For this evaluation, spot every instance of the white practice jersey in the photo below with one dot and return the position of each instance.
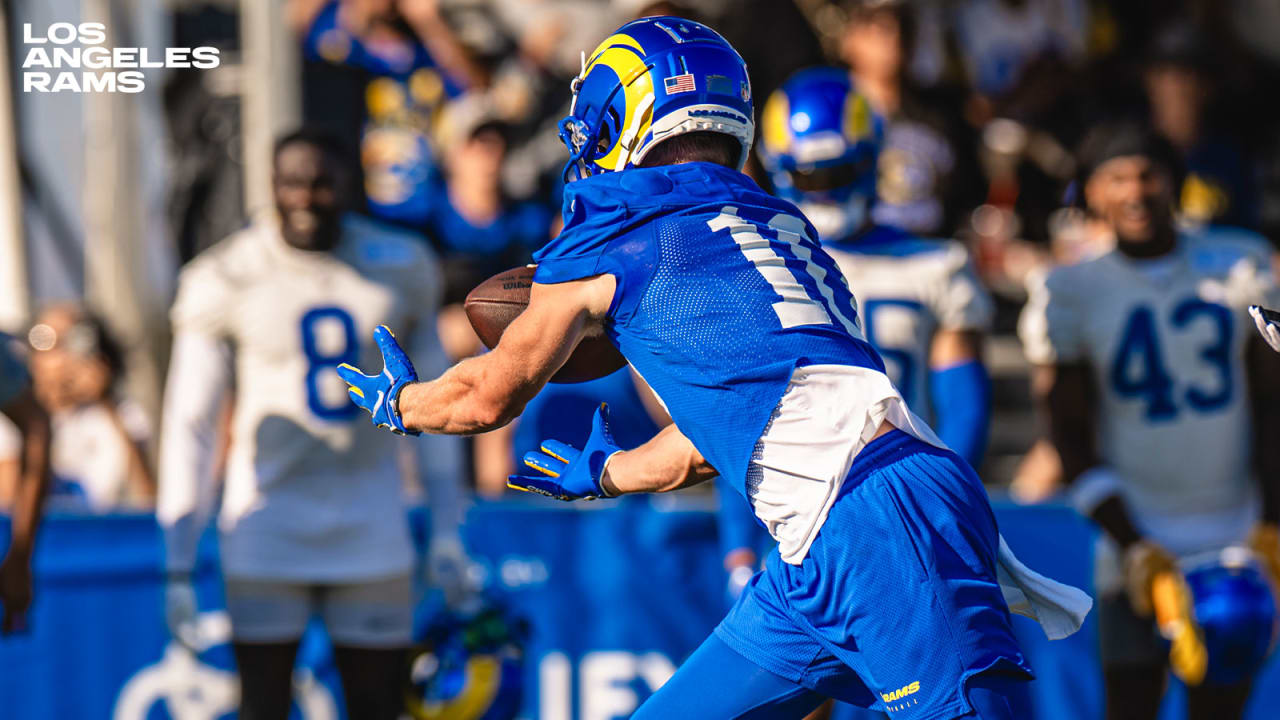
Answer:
(1166, 339)
(907, 290)
(312, 490)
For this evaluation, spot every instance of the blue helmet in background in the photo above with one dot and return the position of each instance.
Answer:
(1236, 613)
(467, 666)
(652, 80)
(821, 141)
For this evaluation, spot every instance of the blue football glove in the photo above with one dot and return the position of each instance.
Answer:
(574, 474)
(378, 393)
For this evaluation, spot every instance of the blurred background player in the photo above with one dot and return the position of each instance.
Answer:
(312, 517)
(19, 405)
(921, 304)
(99, 457)
(1161, 404)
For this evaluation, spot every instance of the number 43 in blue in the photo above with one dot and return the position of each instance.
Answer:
(1140, 347)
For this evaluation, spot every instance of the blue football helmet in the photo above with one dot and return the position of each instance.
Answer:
(467, 667)
(1235, 612)
(821, 142)
(653, 79)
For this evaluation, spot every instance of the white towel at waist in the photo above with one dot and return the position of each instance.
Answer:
(1059, 608)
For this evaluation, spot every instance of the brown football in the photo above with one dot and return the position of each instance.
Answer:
(496, 302)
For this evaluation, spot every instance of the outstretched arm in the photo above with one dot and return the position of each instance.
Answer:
(486, 392)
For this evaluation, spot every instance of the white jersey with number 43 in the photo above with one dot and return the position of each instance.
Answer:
(1166, 340)
(908, 289)
(313, 491)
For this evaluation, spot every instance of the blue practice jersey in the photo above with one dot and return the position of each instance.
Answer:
(722, 293)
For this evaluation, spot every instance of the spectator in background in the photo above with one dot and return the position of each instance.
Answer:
(929, 175)
(99, 440)
(1006, 46)
(1220, 185)
(479, 230)
(414, 63)
(28, 477)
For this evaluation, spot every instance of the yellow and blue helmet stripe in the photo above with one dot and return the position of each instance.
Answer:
(818, 120)
(651, 80)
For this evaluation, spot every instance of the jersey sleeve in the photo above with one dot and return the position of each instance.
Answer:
(198, 383)
(591, 221)
(1051, 326)
(960, 302)
(204, 289)
(1243, 260)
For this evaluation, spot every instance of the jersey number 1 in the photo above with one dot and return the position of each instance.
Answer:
(798, 306)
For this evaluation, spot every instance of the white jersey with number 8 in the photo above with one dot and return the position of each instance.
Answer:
(313, 492)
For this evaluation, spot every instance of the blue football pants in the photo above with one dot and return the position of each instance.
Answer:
(717, 682)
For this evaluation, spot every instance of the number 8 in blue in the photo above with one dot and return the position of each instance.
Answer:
(319, 362)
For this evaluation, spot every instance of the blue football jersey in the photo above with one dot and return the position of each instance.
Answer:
(723, 291)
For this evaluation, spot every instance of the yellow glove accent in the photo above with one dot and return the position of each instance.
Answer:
(1175, 616)
(1143, 561)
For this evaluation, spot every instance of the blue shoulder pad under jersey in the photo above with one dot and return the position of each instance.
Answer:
(13, 374)
(722, 292)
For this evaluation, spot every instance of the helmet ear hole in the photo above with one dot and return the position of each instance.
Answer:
(608, 131)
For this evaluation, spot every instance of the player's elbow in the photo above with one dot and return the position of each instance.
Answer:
(491, 411)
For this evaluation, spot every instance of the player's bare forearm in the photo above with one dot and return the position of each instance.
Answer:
(1066, 399)
(669, 461)
(477, 395)
(487, 392)
(1264, 393)
(33, 474)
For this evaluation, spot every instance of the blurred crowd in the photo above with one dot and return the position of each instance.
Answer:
(449, 108)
